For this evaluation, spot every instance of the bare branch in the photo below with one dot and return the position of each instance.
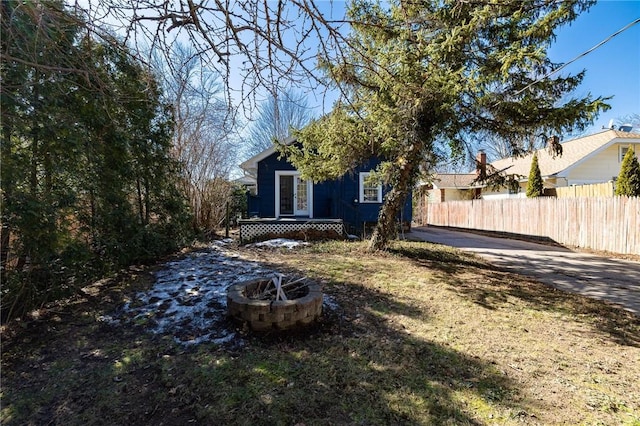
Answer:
(257, 46)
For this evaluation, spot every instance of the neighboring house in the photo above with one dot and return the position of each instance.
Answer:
(247, 182)
(453, 187)
(283, 194)
(586, 160)
(590, 159)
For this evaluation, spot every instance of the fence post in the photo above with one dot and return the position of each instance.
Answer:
(600, 223)
(226, 228)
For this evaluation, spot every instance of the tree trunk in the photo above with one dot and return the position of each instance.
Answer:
(140, 205)
(7, 198)
(386, 229)
(35, 135)
(147, 202)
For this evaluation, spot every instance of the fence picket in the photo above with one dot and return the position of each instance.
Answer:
(600, 223)
(605, 189)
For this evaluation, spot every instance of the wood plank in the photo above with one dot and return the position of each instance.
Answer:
(599, 223)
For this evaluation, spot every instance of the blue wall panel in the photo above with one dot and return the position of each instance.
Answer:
(267, 183)
(337, 199)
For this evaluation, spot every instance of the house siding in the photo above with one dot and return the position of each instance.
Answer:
(459, 194)
(441, 195)
(267, 183)
(602, 167)
(335, 199)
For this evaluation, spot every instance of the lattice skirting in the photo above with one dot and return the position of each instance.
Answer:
(250, 231)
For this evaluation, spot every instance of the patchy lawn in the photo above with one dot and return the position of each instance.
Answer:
(420, 335)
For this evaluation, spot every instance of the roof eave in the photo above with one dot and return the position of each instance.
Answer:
(564, 172)
(251, 165)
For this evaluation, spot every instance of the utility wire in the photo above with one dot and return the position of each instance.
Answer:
(626, 27)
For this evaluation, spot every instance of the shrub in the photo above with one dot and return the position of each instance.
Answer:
(628, 182)
(534, 184)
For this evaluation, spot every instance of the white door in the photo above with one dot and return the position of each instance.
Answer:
(293, 195)
(301, 197)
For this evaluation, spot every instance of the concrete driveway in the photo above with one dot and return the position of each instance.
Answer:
(617, 281)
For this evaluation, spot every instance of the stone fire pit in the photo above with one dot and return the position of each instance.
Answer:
(258, 304)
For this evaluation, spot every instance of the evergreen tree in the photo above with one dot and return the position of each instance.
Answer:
(88, 182)
(628, 182)
(39, 139)
(534, 184)
(419, 76)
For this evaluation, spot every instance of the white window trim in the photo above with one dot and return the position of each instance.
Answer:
(635, 148)
(363, 178)
(622, 151)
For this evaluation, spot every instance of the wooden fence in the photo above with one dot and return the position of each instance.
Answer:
(609, 224)
(605, 189)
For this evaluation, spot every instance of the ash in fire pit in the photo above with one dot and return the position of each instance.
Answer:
(274, 303)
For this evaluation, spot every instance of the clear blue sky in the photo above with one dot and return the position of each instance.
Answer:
(613, 68)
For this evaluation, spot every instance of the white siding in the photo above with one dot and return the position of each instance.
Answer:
(458, 194)
(602, 167)
(490, 194)
(450, 194)
(498, 196)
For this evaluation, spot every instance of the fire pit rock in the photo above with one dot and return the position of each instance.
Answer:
(302, 307)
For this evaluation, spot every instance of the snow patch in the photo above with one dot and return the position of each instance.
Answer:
(330, 302)
(280, 243)
(189, 297)
(223, 242)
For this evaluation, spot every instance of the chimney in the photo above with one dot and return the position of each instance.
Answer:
(481, 164)
(554, 147)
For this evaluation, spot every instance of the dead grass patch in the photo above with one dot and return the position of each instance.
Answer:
(422, 335)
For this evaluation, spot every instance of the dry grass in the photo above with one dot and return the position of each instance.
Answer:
(422, 335)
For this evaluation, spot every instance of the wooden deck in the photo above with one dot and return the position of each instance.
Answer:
(253, 229)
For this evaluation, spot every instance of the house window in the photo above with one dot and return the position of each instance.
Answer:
(623, 152)
(624, 149)
(370, 192)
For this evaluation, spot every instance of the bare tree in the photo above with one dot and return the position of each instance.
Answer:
(497, 148)
(630, 119)
(254, 45)
(203, 138)
(276, 117)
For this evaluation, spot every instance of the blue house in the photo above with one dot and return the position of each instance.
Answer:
(284, 201)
